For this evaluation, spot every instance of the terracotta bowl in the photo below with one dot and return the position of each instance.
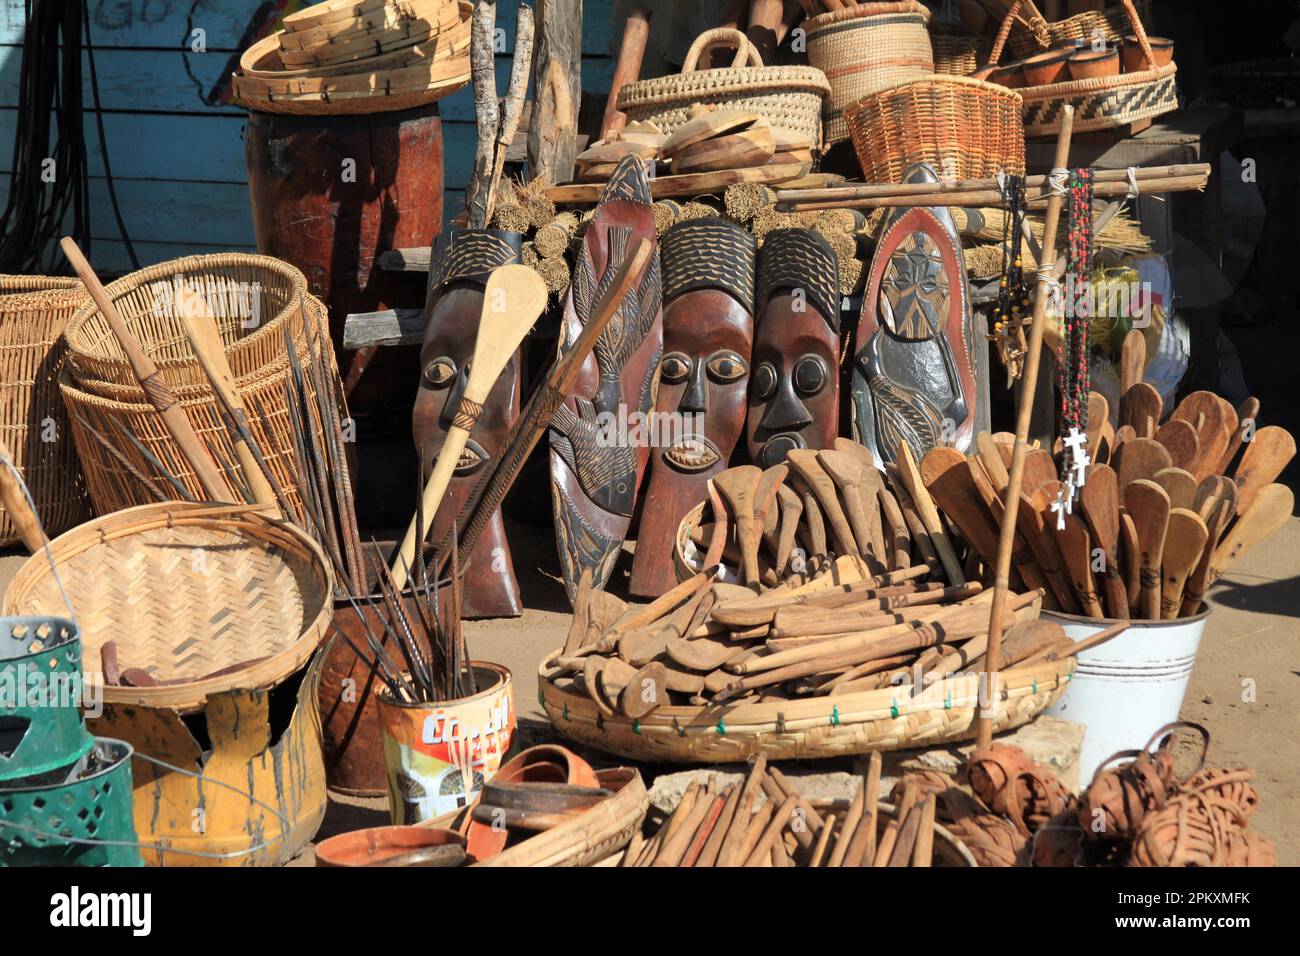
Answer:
(1090, 64)
(374, 846)
(1012, 76)
(1045, 68)
(1135, 61)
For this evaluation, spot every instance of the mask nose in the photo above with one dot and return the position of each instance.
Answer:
(693, 397)
(784, 412)
(454, 395)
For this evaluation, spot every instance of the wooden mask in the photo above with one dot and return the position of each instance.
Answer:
(708, 276)
(598, 452)
(914, 376)
(794, 384)
(457, 277)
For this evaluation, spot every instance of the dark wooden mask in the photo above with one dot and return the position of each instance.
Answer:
(794, 388)
(708, 275)
(456, 301)
(914, 375)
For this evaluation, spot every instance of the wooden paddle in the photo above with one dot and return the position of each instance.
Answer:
(1247, 412)
(1130, 555)
(1076, 551)
(1215, 423)
(813, 527)
(1269, 511)
(513, 299)
(1148, 506)
(1098, 419)
(910, 477)
(947, 477)
(1265, 457)
(706, 125)
(146, 373)
(1099, 500)
(1181, 440)
(1039, 468)
(791, 506)
(1178, 484)
(1221, 508)
(871, 483)
(1133, 360)
(846, 472)
(1183, 545)
(1142, 408)
(1139, 458)
(738, 487)
(808, 466)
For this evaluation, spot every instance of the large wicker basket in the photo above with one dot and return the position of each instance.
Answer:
(964, 128)
(252, 298)
(185, 591)
(887, 719)
(786, 96)
(865, 48)
(1102, 103)
(34, 311)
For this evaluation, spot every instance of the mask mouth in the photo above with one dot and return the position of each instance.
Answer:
(471, 458)
(692, 453)
(778, 446)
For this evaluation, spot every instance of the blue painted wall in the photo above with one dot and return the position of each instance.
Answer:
(177, 159)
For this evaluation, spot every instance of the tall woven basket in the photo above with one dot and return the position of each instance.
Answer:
(34, 310)
(865, 48)
(786, 96)
(964, 128)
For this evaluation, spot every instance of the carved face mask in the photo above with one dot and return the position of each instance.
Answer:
(452, 328)
(708, 275)
(794, 391)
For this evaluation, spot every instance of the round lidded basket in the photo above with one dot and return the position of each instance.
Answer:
(34, 311)
(211, 598)
(864, 48)
(787, 96)
(252, 298)
(965, 128)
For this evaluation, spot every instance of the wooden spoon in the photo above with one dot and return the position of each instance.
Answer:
(1099, 500)
(1142, 408)
(1222, 509)
(1133, 360)
(1098, 419)
(1130, 557)
(1183, 545)
(1181, 440)
(1266, 455)
(871, 484)
(765, 498)
(1039, 468)
(738, 487)
(1178, 484)
(1076, 551)
(1247, 412)
(1215, 423)
(1269, 511)
(846, 472)
(947, 477)
(806, 463)
(1139, 458)
(791, 506)
(1148, 507)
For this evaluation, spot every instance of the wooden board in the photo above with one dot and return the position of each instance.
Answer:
(691, 184)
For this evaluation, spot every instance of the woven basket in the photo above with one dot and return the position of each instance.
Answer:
(959, 55)
(888, 719)
(1102, 103)
(786, 96)
(1111, 24)
(964, 128)
(185, 590)
(252, 298)
(866, 48)
(33, 313)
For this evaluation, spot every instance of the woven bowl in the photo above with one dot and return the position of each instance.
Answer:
(184, 591)
(252, 298)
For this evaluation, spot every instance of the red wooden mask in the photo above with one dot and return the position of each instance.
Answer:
(456, 301)
(708, 275)
(794, 386)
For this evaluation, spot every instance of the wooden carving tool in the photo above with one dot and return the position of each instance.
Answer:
(737, 487)
(1267, 454)
(1247, 412)
(1270, 510)
(1148, 506)
(497, 479)
(146, 373)
(1099, 500)
(1183, 545)
(1178, 484)
(805, 462)
(1141, 408)
(1181, 440)
(1076, 551)
(1139, 458)
(512, 302)
(1133, 360)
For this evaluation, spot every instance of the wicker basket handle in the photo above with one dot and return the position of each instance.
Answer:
(1034, 22)
(1141, 32)
(722, 36)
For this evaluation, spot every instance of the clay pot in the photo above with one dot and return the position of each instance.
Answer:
(1045, 68)
(1091, 64)
(1135, 60)
(371, 847)
(1012, 76)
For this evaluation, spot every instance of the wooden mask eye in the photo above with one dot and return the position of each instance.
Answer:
(674, 367)
(726, 367)
(810, 375)
(764, 381)
(440, 372)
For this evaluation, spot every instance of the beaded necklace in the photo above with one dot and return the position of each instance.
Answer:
(1011, 312)
(1072, 368)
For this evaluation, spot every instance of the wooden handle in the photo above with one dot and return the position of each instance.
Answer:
(146, 373)
(14, 500)
(636, 33)
(764, 21)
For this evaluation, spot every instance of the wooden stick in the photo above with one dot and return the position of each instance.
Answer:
(486, 109)
(848, 827)
(823, 841)
(863, 848)
(776, 825)
(520, 66)
(146, 373)
(705, 831)
(675, 846)
(923, 851)
(627, 69)
(709, 854)
(1007, 532)
(730, 853)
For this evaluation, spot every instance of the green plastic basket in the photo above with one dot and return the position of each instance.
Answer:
(41, 726)
(60, 823)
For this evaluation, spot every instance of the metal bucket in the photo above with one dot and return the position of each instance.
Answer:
(421, 741)
(1131, 686)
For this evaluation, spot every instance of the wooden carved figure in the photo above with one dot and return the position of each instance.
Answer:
(599, 437)
(457, 277)
(914, 375)
(794, 384)
(708, 279)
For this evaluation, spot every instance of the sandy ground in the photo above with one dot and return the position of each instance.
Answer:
(1244, 688)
